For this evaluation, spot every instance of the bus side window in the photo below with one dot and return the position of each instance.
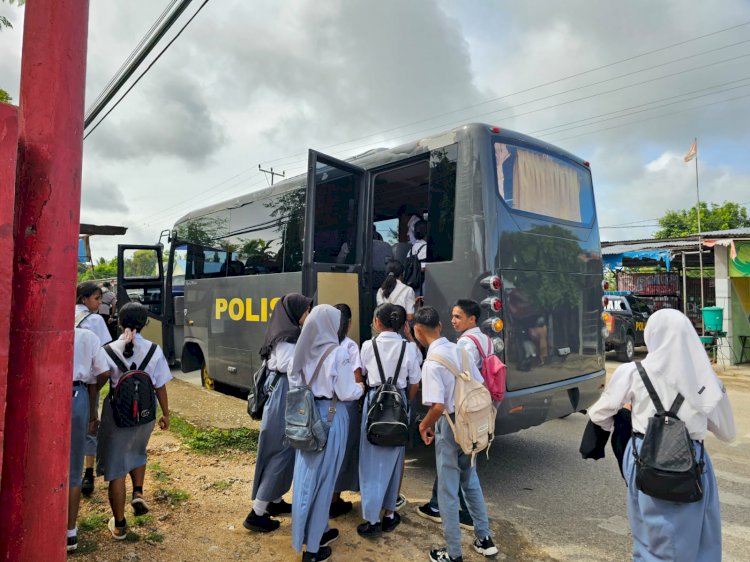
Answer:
(442, 203)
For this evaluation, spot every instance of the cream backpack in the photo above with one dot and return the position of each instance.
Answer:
(475, 414)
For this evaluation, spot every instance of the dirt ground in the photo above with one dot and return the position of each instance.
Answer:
(198, 502)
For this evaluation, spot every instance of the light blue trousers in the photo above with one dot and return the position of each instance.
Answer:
(454, 470)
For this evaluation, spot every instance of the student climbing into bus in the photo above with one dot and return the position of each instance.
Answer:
(315, 472)
(408, 217)
(454, 468)
(680, 378)
(122, 441)
(416, 259)
(348, 478)
(393, 291)
(274, 465)
(384, 358)
(88, 301)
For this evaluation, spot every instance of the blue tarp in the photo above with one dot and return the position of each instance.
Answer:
(83, 251)
(614, 261)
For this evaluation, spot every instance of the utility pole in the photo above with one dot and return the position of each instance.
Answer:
(272, 173)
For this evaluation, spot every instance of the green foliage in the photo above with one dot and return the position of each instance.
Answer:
(172, 496)
(718, 217)
(159, 474)
(5, 22)
(132, 536)
(93, 522)
(222, 485)
(143, 520)
(154, 536)
(214, 440)
(102, 270)
(141, 264)
(4, 96)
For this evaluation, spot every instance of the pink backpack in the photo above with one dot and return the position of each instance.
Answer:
(493, 370)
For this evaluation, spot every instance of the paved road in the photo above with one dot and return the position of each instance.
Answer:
(574, 509)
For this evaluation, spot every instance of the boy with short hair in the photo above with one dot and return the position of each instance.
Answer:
(453, 467)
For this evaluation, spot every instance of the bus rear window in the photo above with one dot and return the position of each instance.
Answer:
(535, 182)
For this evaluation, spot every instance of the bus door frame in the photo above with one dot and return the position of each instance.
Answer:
(313, 272)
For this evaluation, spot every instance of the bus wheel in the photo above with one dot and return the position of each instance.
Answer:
(206, 381)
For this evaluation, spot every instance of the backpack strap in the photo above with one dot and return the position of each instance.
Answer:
(398, 365)
(148, 357)
(115, 358)
(393, 296)
(326, 353)
(479, 347)
(81, 316)
(650, 388)
(675, 407)
(377, 359)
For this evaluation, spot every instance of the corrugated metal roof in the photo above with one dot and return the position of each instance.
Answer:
(665, 244)
(728, 233)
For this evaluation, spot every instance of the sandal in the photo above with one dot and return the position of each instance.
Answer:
(139, 505)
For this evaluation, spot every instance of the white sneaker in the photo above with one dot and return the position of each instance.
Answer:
(400, 502)
(485, 546)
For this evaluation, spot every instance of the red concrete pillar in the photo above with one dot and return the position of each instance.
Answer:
(48, 194)
(8, 152)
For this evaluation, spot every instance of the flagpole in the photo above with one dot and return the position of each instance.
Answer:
(700, 243)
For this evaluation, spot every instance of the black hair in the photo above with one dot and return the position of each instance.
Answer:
(85, 290)
(392, 316)
(408, 210)
(346, 316)
(107, 284)
(421, 228)
(133, 315)
(470, 308)
(394, 270)
(427, 316)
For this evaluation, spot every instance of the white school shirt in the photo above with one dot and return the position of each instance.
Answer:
(281, 358)
(402, 295)
(470, 346)
(157, 367)
(334, 376)
(89, 359)
(626, 386)
(438, 383)
(389, 347)
(94, 323)
(419, 249)
(352, 349)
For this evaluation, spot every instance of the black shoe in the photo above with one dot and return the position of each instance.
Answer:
(485, 546)
(329, 537)
(465, 520)
(87, 484)
(427, 512)
(260, 523)
(441, 555)
(323, 554)
(339, 507)
(279, 508)
(72, 543)
(139, 505)
(369, 530)
(390, 523)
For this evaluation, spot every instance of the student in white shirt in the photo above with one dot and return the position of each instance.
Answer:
(380, 468)
(454, 468)
(348, 478)
(676, 363)
(89, 365)
(393, 291)
(315, 472)
(274, 461)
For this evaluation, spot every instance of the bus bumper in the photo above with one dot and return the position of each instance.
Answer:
(533, 406)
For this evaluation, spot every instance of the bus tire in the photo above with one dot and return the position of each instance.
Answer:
(206, 381)
(626, 352)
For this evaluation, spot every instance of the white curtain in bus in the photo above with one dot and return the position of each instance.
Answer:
(543, 186)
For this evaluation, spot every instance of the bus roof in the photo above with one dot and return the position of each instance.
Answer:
(377, 157)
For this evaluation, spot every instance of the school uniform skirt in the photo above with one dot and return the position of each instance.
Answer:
(274, 462)
(314, 479)
(348, 479)
(665, 530)
(78, 427)
(120, 449)
(379, 471)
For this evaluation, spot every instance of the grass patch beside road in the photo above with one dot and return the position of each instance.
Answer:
(214, 440)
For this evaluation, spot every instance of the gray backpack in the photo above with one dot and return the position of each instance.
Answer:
(304, 429)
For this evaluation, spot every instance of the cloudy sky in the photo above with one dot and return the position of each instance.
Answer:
(626, 85)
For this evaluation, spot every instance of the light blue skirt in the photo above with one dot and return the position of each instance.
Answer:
(120, 449)
(274, 462)
(78, 427)
(314, 479)
(348, 479)
(380, 471)
(665, 530)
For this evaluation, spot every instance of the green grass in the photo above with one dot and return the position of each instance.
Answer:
(214, 440)
(93, 522)
(132, 536)
(172, 496)
(154, 536)
(143, 520)
(222, 485)
(158, 473)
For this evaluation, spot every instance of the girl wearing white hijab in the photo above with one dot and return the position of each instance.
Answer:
(315, 472)
(676, 363)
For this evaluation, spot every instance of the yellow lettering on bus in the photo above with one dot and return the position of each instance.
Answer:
(221, 306)
(250, 317)
(236, 309)
(273, 303)
(264, 309)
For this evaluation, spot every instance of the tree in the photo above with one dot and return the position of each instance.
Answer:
(142, 264)
(719, 217)
(102, 270)
(5, 22)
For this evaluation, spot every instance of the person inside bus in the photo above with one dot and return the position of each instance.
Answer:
(393, 291)
(348, 478)
(381, 255)
(315, 472)
(420, 249)
(274, 464)
(676, 364)
(381, 468)
(408, 217)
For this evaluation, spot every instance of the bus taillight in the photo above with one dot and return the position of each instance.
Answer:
(493, 303)
(605, 285)
(494, 325)
(605, 302)
(492, 283)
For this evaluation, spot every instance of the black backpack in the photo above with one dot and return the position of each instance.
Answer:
(387, 420)
(133, 399)
(666, 467)
(413, 274)
(259, 394)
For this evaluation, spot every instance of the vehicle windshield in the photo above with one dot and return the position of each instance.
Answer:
(533, 181)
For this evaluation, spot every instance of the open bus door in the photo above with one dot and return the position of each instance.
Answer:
(141, 279)
(336, 238)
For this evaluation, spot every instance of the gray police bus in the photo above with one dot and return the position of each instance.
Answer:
(512, 225)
